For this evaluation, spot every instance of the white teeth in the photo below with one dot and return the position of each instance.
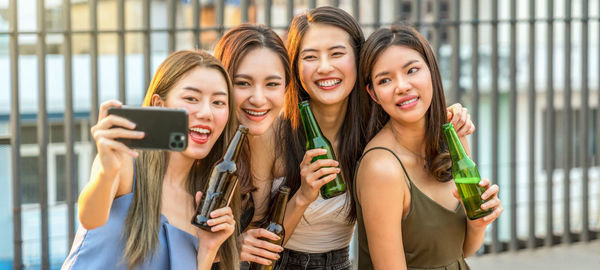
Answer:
(200, 130)
(408, 101)
(327, 83)
(256, 113)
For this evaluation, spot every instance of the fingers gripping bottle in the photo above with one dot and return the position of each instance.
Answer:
(222, 181)
(316, 139)
(466, 175)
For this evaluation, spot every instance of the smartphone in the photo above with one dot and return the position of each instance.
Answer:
(164, 128)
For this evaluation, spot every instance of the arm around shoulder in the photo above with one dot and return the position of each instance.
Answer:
(381, 190)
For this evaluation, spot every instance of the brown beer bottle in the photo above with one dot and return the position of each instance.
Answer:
(222, 181)
(276, 224)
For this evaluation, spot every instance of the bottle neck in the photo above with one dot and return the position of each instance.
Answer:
(455, 147)
(311, 127)
(235, 146)
(280, 204)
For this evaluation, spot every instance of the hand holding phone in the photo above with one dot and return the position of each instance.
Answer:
(164, 128)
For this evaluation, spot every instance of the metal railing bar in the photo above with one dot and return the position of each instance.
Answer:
(514, 244)
(531, 116)
(171, 10)
(455, 58)
(495, 108)
(42, 134)
(550, 130)
(146, 6)
(94, 108)
(289, 7)
(226, 27)
(312, 4)
(568, 131)
(356, 10)
(15, 131)
(196, 17)
(419, 18)
(436, 25)
(585, 230)
(121, 49)
(268, 4)
(71, 184)
(475, 79)
(5, 140)
(220, 18)
(377, 13)
(244, 10)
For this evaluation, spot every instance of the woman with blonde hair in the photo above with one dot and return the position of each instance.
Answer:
(136, 209)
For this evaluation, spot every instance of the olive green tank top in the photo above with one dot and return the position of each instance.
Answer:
(432, 235)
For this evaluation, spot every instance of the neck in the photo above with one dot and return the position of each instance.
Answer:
(178, 168)
(330, 117)
(410, 136)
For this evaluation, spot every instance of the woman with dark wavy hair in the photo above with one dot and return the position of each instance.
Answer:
(409, 212)
(258, 64)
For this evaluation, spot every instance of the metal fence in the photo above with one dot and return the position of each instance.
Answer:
(445, 24)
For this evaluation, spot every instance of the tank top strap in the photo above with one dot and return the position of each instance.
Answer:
(389, 150)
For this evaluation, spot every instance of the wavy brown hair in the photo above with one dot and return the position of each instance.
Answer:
(436, 148)
(353, 137)
(143, 219)
(231, 50)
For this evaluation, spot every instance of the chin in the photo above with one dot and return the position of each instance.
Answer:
(197, 152)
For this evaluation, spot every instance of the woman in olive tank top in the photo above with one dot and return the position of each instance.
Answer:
(409, 214)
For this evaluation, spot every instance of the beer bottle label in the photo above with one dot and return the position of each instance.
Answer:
(467, 180)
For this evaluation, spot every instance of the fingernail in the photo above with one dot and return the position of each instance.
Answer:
(209, 222)
(278, 256)
(483, 206)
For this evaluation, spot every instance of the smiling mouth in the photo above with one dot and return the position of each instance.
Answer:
(199, 135)
(256, 113)
(328, 83)
(408, 101)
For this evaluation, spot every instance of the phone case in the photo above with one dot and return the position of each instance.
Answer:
(165, 128)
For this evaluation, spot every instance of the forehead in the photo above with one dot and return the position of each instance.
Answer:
(208, 80)
(260, 60)
(396, 55)
(323, 36)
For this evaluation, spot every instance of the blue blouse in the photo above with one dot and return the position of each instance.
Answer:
(102, 248)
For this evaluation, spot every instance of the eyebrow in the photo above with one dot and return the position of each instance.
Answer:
(248, 77)
(383, 73)
(329, 49)
(194, 89)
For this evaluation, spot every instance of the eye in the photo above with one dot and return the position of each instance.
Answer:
(242, 83)
(273, 84)
(338, 53)
(383, 81)
(219, 103)
(309, 57)
(191, 99)
(413, 70)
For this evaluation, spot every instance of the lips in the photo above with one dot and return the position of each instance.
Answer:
(328, 83)
(408, 102)
(256, 115)
(199, 134)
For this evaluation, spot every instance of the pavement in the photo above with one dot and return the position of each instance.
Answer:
(577, 256)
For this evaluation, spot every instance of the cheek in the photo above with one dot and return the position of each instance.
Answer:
(277, 98)
(239, 97)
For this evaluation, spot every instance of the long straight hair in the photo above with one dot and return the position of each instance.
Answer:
(143, 218)
(353, 137)
(231, 50)
(436, 148)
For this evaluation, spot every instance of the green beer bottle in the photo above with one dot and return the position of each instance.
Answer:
(466, 176)
(276, 224)
(222, 181)
(316, 139)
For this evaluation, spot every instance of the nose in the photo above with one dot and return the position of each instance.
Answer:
(258, 98)
(402, 85)
(203, 111)
(324, 66)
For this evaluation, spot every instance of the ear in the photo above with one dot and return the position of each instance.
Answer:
(157, 101)
(372, 93)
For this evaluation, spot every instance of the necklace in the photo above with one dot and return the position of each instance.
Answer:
(418, 157)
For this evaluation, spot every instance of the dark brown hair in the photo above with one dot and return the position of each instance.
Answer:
(436, 148)
(353, 138)
(143, 219)
(231, 50)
